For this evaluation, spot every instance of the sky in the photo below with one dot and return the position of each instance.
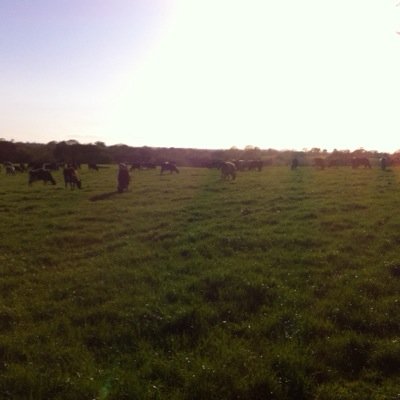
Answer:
(282, 74)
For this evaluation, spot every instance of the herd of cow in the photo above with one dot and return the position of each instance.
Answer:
(355, 162)
(43, 173)
(228, 169)
(70, 172)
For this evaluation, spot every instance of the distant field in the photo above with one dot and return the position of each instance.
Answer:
(280, 285)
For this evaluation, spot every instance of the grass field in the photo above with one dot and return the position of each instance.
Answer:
(279, 285)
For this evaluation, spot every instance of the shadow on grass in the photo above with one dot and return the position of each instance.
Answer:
(103, 196)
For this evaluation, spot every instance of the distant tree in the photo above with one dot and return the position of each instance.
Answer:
(8, 151)
(71, 142)
(62, 152)
(232, 154)
(252, 153)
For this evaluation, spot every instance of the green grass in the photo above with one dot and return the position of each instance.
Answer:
(279, 285)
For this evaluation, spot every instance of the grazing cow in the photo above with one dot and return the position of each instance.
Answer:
(383, 163)
(360, 161)
(294, 164)
(93, 166)
(168, 166)
(319, 163)
(123, 178)
(10, 169)
(40, 174)
(71, 178)
(255, 164)
(228, 169)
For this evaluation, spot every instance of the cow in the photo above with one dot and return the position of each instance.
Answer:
(123, 178)
(228, 169)
(10, 169)
(360, 161)
(319, 163)
(255, 164)
(168, 166)
(71, 178)
(40, 174)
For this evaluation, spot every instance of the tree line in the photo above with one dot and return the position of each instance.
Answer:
(71, 151)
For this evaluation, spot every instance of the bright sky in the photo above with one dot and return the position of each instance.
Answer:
(283, 74)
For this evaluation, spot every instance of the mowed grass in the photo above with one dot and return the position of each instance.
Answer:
(279, 285)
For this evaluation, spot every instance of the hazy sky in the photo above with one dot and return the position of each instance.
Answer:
(202, 73)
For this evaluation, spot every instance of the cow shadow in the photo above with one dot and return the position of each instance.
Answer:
(104, 196)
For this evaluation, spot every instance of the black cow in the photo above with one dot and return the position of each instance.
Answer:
(71, 178)
(40, 174)
(168, 166)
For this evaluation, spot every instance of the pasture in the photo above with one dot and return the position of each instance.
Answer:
(279, 285)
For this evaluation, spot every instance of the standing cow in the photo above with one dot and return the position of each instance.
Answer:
(228, 170)
(123, 178)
